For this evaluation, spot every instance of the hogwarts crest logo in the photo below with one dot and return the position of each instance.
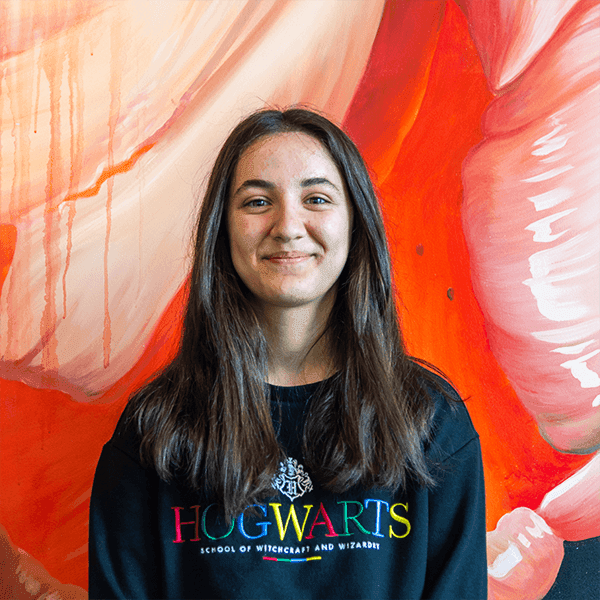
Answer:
(291, 479)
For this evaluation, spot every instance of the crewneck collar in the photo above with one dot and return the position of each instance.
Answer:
(296, 393)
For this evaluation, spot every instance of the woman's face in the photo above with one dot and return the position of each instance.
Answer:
(289, 220)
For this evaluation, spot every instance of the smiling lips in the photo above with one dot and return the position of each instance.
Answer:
(287, 258)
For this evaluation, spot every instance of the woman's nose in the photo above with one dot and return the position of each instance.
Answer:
(288, 223)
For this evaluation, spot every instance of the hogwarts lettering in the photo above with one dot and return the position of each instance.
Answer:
(371, 517)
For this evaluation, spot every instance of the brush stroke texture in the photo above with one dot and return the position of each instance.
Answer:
(145, 96)
(531, 220)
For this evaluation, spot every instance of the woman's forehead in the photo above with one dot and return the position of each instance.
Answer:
(281, 154)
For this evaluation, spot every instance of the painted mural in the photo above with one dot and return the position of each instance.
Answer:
(479, 120)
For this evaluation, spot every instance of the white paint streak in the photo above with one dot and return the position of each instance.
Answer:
(551, 198)
(505, 562)
(571, 334)
(557, 274)
(542, 231)
(596, 401)
(567, 485)
(548, 174)
(577, 349)
(550, 300)
(579, 369)
(523, 539)
(551, 142)
(540, 527)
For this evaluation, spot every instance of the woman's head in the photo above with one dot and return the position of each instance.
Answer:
(311, 158)
(209, 412)
(289, 222)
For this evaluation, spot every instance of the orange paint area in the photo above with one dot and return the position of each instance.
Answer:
(8, 240)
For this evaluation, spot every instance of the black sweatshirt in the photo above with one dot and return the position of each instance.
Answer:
(151, 539)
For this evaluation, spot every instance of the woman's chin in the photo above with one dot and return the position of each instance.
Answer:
(296, 296)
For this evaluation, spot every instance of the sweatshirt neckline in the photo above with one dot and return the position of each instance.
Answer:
(296, 393)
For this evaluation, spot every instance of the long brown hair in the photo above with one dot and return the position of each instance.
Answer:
(208, 415)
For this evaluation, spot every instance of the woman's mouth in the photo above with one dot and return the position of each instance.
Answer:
(287, 258)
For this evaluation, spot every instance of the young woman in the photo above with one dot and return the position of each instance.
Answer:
(291, 449)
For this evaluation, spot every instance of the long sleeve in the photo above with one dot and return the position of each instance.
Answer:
(123, 561)
(456, 562)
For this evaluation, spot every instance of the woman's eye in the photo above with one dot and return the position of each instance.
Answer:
(256, 203)
(317, 200)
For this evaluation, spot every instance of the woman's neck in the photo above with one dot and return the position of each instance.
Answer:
(299, 351)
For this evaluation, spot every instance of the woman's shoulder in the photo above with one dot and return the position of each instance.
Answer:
(451, 429)
(125, 438)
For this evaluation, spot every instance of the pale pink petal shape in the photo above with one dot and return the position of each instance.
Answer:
(509, 34)
(93, 82)
(572, 509)
(525, 550)
(524, 556)
(532, 222)
(22, 577)
(89, 280)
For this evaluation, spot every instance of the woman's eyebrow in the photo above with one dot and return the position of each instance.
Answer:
(318, 181)
(255, 183)
(269, 185)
